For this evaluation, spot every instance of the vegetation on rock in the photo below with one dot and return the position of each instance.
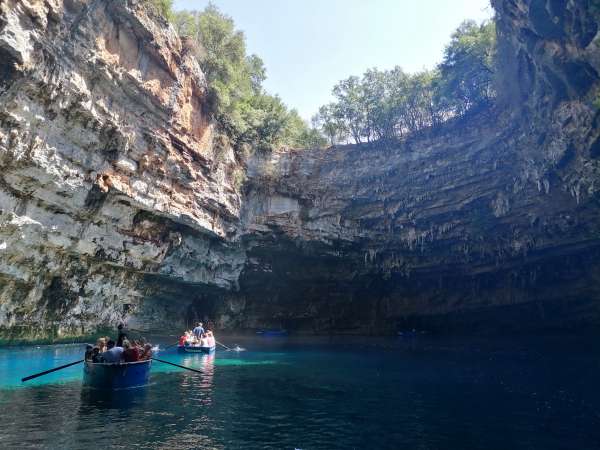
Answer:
(386, 105)
(244, 111)
(163, 7)
(381, 106)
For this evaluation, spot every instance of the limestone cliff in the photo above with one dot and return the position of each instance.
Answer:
(116, 201)
(109, 183)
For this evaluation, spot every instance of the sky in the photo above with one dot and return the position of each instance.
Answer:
(309, 45)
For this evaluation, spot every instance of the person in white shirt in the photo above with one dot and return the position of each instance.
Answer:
(210, 339)
(204, 341)
(113, 354)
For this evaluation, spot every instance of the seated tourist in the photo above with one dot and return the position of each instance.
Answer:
(139, 346)
(88, 352)
(130, 353)
(182, 340)
(101, 344)
(96, 358)
(113, 353)
(147, 352)
(122, 335)
(211, 339)
(203, 341)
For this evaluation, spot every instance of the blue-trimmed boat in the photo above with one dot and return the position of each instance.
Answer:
(116, 376)
(196, 349)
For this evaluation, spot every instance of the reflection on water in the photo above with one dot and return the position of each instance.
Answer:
(92, 399)
(376, 394)
(199, 385)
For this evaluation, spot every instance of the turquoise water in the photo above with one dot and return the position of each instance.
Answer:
(285, 393)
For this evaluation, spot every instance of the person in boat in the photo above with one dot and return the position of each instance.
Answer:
(147, 352)
(101, 344)
(198, 331)
(122, 335)
(210, 338)
(182, 340)
(96, 357)
(130, 353)
(113, 353)
(88, 352)
(203, 341)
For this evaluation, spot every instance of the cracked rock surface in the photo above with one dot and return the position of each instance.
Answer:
(116, 200)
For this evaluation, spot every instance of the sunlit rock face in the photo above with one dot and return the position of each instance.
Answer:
(109, 179)
(115, 202)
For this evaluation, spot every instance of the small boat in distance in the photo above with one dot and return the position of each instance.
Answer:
(197, 341)
(116, 375)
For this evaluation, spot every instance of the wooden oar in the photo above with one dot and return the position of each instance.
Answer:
(222, 345)
(30, 377)
(176, 365)
(172, 345)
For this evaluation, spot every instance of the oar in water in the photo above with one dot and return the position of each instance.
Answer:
(172, 345)
(30, 377)
(222, 345)
(176, 365)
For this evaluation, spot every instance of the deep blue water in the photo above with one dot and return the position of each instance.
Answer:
(345, 393)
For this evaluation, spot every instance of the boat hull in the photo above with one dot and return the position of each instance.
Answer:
(195, 349)
(116, 376)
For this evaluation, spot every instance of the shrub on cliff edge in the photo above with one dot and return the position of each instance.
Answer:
(163, 7)
(237, 100)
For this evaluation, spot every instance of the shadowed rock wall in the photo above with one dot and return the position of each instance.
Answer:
(116, 203)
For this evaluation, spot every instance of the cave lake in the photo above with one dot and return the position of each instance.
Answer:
(318, 393)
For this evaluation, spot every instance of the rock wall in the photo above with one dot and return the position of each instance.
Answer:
(488, 223)
(109, 182)
(117, 201)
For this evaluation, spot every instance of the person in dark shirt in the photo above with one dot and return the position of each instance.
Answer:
(147, 352)
(199, 330)
(88, 352)
(121, 336)
(96, 358)
(130, 353)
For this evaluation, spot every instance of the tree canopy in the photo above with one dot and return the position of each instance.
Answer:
(241, 106)
(381, 106)
(386, 105)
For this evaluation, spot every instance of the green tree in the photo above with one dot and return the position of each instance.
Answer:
(467, 71)
(328, 122)
(386, 105)
(350, 107)
(241, 107)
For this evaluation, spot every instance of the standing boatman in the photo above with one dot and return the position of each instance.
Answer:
(122, 334)
(199, 330)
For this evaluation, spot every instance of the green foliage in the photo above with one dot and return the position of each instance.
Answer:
(163, 7)
(331, 123)
(245, 112)
(468, 67)
(385, 105)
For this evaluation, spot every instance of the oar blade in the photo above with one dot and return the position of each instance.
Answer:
(176, 365)
(45, 372)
